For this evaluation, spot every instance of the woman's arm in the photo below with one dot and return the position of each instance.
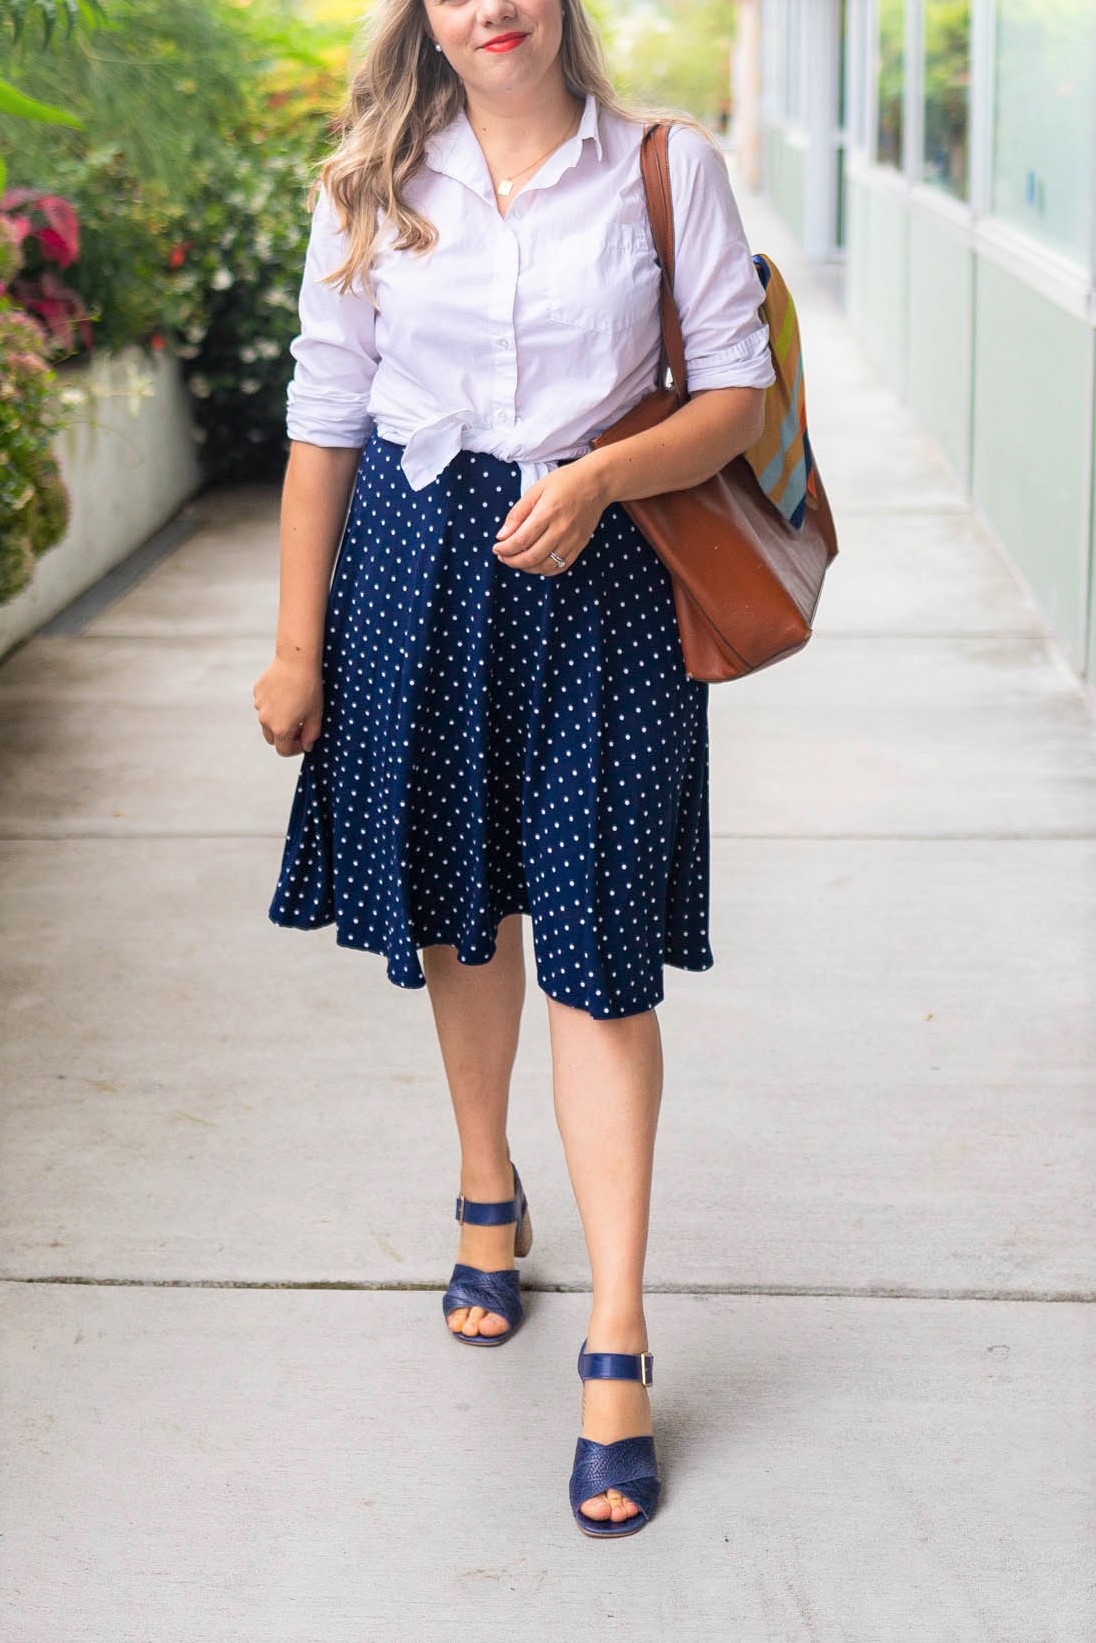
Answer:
(315, 500)
(696, 442)
(328, 423)
(560, 512)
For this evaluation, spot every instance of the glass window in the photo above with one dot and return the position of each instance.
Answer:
(794, 69)
(1043, 120)
(892, 76)
(947, 94)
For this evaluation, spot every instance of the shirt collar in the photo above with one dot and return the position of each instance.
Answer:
(455, 152)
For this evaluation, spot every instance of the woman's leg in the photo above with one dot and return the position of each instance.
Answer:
(607, 1079)
(477, 1013)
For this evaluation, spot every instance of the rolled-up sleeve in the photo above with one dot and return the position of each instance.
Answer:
(335, 352)
(716, 283)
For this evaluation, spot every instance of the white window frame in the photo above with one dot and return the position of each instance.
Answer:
(856, 133)
(1056, 276)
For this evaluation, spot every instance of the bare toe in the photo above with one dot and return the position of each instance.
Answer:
(612, 1504)
(473, 1320)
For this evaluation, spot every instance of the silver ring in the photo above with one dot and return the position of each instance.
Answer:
(562, 563)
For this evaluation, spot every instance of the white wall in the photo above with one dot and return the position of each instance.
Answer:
(129, 460)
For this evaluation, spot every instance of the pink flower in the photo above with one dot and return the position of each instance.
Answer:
(59, 238)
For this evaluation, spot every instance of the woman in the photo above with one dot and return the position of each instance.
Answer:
(489, 693)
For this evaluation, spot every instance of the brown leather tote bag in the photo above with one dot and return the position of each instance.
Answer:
(746, 581)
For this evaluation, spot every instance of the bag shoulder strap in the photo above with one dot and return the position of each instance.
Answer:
(654, 157)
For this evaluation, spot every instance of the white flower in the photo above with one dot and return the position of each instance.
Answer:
(73, 397)
(222, 279)
(200, 386)
(267, 348)
(249, 355)
(250, 385)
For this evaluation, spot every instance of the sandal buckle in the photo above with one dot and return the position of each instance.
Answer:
(646, 1368)
(460, 1208)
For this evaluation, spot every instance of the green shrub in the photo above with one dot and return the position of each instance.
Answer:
(190, 179)
(233, 304)
(49, 507)
(33, 502)
(162, 77)
(127, 228)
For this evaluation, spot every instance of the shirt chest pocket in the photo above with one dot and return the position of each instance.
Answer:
(601, 279)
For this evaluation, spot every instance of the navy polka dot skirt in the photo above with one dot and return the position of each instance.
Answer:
(495, 741)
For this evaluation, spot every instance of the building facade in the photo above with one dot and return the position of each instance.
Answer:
(944, 151)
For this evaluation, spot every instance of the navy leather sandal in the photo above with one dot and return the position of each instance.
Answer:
(495, 1291)
(629, 1464)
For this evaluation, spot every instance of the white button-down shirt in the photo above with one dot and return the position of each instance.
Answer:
(525, 335)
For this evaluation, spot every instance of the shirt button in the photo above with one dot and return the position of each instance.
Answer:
(503, 343)
(504, 417)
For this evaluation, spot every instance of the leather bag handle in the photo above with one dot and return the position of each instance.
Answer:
(654, 155)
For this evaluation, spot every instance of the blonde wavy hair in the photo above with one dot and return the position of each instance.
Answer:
(404, 91)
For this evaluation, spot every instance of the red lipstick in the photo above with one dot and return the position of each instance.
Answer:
(504, 42)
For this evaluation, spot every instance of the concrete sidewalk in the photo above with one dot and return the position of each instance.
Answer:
(230, 1413)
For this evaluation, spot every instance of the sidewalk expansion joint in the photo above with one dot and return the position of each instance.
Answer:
(882, 1292)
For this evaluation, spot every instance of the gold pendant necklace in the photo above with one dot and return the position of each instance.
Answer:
(505, 184)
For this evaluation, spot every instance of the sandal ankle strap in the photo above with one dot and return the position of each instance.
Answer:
(616, 1366)
(498, 1214)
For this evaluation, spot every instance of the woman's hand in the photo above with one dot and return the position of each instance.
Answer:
(561, 511)
(289, 700)
(558, 513)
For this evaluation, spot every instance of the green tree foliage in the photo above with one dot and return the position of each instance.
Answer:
(15, 15)
(675, 54)
(160, 77)
(21, 17)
